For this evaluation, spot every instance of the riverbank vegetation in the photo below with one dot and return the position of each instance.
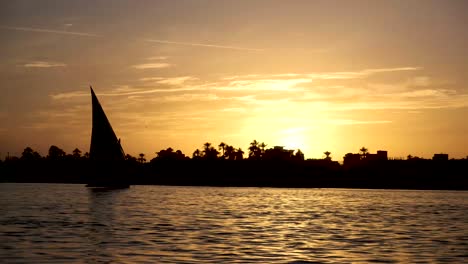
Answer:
(258, 166)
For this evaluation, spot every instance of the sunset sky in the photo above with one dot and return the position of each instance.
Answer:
(315, 75)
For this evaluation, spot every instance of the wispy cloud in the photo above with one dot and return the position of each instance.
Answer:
(157, 58)
(176, 80)
(145, 66)
(427, 93)
(43, 64)
(151, 79)
(53, 31)
(265, 85)
(347, 122)
(391, 69)
(69, 95)
(169, 80)
(190, 97)
(343, 75)
(127, 91)
(202, 45)
(267, 92)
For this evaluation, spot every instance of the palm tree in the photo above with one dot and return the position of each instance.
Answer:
(196, 154)
(262, 147)
(206, 147)
(254, 150)
(222, 147)
(239, 154)
(209, 152)
(364, 151)
(230, 152)
(141, 159)
(327, 154)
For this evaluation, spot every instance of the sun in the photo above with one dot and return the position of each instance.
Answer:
(294, 141)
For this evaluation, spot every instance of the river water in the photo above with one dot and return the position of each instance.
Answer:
(65, 223)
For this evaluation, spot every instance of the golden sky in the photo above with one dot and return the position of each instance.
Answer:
(315, 75)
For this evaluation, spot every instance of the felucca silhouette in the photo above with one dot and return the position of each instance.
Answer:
(106, 153)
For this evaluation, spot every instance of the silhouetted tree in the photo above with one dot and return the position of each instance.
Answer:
(254, 150)
(29, 154)
(206, 146)
(129, 158)
(56, 153)
(169, 154)
(141, 159)
(230, 152)
(165, 154)
(364, 151)
(239, 154)
(222, 147)
(209, 152)
(327, 155)
(262, 147)
(179, 155)
(196, 154)
(76, 153)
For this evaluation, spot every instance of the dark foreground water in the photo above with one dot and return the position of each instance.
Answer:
(44, 223)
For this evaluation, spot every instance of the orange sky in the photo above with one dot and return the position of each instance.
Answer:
(314, 75)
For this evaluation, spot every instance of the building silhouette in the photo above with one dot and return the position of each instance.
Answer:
(357, 158)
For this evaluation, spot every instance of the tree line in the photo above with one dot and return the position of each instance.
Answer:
(259, 165)
(256, 151)
(224, 151)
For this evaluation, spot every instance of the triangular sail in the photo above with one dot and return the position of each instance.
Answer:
(104, 143)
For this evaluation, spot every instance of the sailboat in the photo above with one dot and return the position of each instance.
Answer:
(106, 154)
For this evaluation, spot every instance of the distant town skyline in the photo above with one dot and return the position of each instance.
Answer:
(311, 75)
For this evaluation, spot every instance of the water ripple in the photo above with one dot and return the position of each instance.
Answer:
(54, 223)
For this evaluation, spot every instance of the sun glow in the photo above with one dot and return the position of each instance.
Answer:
(294, 139)
(293, 143)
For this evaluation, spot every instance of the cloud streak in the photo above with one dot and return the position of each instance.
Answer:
(202, 45)
(349, 122)
(43, 64)
(43, 30)
(344, 75)
(176, 80)
(265, 92)
(146, 66)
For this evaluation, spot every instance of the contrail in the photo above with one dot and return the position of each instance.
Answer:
(202, 45)
(42, 30)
